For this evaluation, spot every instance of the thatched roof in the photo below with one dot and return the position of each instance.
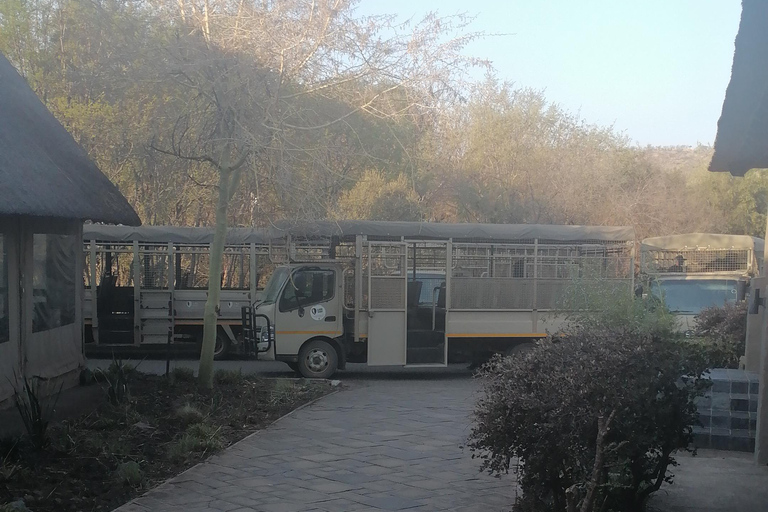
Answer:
(742, 132)
(43, 171)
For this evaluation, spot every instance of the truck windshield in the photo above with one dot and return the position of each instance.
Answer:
(272, 290)
(691, 296)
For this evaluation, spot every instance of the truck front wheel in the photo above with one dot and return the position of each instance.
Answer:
(318, 360)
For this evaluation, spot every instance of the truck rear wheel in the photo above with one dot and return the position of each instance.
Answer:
(318, 360)
(222, 345)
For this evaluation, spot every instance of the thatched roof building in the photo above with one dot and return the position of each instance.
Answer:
(742, 132)
(43, 171)
(48, 187)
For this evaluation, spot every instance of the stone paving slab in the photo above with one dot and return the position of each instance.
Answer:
(382, 445)
(714, 481)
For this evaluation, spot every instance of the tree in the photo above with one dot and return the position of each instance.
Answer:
(375, 198)
(260, 77)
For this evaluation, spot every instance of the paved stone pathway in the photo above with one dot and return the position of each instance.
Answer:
(714, 481)
(376, 445)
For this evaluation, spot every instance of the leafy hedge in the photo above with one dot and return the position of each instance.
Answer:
(590, 420)
(723, 333)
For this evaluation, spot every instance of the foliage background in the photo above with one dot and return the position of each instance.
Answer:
(487, 152)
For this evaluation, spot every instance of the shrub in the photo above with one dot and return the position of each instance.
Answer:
(723, 330)
(35, 415)
(117, 378)
(181, 374)
(129, 473)
(199, 438)
(599, 305)
(189, 414)
(592, 418)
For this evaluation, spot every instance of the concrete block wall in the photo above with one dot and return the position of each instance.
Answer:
(728, 412)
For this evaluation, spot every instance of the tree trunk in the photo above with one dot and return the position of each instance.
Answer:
(603, 427)
(211, 314)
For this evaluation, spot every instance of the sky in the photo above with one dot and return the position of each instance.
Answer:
(656, 70)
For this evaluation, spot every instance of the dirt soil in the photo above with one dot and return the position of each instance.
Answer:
(103, 459)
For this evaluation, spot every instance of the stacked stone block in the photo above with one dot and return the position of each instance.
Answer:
(728, 412)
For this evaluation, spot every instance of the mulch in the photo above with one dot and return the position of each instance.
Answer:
(78, 469)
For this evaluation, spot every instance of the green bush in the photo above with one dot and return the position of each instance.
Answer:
(596, 304)
(723, 333)
(592, 418)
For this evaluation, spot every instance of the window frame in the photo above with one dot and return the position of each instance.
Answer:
(289, 282)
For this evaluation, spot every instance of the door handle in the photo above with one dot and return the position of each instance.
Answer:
(330, 319)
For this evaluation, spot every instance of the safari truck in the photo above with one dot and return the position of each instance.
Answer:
(424, 294)
(146, 287)
(694, 271)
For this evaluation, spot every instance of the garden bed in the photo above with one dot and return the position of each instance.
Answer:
(102, 459)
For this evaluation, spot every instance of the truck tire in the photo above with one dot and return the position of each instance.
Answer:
(318, 360)
(223, 345)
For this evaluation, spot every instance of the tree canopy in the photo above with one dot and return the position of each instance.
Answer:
(336, 115)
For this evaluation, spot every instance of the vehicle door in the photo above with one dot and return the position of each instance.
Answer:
(309, 306)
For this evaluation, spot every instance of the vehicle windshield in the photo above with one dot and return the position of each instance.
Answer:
(272, 290)
(691, 296)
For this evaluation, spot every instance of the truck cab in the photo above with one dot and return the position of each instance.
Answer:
(305, 307)
(694, 271)
(687, 296)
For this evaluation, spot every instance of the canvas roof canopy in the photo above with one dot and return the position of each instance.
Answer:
(43, 171)
(702, 240)
(325, 229)
(443, 231)
(742, 131)
(179, 235)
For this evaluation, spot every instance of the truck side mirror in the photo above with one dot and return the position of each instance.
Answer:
(755, 302)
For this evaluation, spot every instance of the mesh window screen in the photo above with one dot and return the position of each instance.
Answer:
(53, 280)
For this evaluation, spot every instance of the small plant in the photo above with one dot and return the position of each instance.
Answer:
(182, 374)
(129, 473)
(189, 414)
(35, 416)
(284, 392)
(199, 438)
(228, 377)
(117, 377)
